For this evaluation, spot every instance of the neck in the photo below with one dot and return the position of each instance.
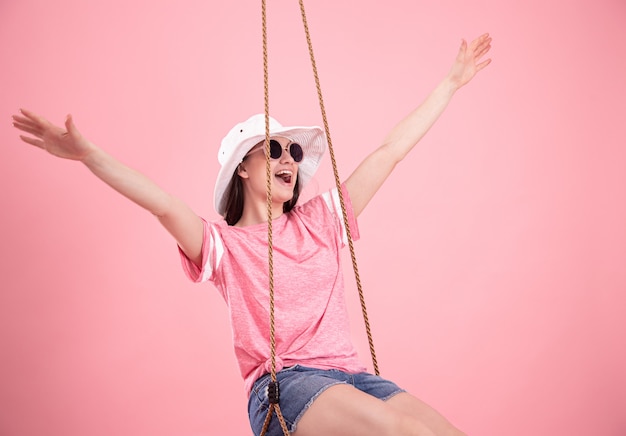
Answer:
(257, 213)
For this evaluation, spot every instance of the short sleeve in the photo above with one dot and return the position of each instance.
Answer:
(331, 198)
(212, 251)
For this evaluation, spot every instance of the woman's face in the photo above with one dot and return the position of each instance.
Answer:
(284, 170)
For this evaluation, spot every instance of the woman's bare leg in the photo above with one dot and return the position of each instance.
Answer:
(412, 406)
(342, 410)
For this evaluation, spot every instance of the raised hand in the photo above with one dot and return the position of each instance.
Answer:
(468, 61)
(66, 143)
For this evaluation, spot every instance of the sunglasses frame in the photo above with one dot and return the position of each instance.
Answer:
(275, 146)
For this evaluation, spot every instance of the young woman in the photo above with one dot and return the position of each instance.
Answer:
(324, 388)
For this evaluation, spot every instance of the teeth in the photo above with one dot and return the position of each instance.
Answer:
(285, 175)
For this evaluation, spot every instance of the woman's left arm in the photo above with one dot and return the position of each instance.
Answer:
(374, 170)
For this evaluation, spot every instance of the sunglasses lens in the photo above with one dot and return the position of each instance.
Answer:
(276, 150)
(296, 152)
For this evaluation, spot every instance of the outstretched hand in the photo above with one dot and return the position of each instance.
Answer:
(66, 143)
(468, 61)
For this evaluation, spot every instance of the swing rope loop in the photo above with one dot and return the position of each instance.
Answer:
(273, 388)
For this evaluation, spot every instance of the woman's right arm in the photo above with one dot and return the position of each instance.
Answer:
(182, 223)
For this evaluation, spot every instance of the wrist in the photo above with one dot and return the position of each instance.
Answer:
(91, 154)
(449, 85)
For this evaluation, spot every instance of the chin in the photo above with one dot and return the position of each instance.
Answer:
(282, 199)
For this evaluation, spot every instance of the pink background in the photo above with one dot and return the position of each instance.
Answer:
(493, 260)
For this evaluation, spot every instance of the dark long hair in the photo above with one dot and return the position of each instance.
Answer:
(234, 199)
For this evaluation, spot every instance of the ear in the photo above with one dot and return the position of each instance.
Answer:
(242, 172)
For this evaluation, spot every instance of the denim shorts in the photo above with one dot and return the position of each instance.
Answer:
(300, 386)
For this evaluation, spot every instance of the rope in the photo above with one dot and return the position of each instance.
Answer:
(339, 190)
(274, 406)
(273, 390)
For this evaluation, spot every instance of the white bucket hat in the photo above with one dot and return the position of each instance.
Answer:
(247, 134)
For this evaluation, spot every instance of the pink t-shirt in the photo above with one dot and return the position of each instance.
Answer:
(311, 319)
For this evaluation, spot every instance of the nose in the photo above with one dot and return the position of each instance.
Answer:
(286, 154)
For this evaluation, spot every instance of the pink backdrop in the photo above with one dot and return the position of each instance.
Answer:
(493, 260)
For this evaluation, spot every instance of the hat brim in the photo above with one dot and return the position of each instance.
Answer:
(311, 139)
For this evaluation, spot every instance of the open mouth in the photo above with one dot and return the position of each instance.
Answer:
(285, 176)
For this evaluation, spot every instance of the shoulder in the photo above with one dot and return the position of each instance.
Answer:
(323, 203)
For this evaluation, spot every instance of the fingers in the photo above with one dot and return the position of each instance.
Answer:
(28, 129)
(481, 45)
(27, 126)
(32, 141)
(25, 121)
(476, 50)
(481, 53)
(482, 65)
(30, 123)
(480, 50)
(32, 119)
(481, 39)
(32, 116)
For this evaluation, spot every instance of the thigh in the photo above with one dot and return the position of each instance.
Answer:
(342, 410)
(422, 412)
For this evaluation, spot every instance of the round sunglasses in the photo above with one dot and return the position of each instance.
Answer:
(276, 150)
